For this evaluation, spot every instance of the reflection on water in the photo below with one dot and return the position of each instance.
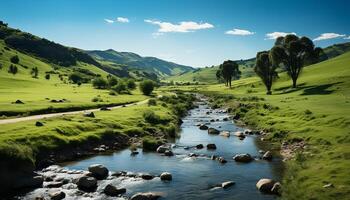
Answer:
(193, 178)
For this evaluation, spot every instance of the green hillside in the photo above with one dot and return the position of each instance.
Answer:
(316, 113)
(207, 75)
(136, 62)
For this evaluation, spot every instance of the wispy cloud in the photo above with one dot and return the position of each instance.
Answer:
(347, 38)
(122, 20)
(241, 32)
(327, 36)
(109, 21)
(182, 27)
(275, 35)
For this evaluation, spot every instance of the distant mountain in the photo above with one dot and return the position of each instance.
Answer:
(134, 61)
(337, 49)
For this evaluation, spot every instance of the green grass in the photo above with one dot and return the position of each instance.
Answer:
(37, 93)
(316, 112)
(206, 75)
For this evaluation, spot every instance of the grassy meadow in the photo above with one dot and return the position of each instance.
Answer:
(316, 112)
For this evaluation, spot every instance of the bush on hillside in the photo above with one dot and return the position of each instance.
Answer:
(112, 81)
(131, 84)
(47, 77)
(75, 77)
(14, 59)
(99, 83)
(13, 69)
(147, 87)
(152, 102)
(151, 117)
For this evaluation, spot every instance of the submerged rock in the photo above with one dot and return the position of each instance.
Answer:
(227, 184)
(211, 146)
(168, 153)
(222, 160)
(199, 146)
(163, 148)
(267, 155)
(57, 195)
(213, 131)
(203, 127)
(268, 186)
(111, 190)
(166, 176)
(146, 196)
(243, 158)
(147, 176)
(98, 171)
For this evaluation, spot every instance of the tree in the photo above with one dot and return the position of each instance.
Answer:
(112, 81)
(265, 70)
(228, 70)
(14, 59)
(147, 87)
(13, 69)
(99, 83)
(120, 87)
(74, 77)
(47, 77)
(294, 53)
(34, 72)
(131, 84)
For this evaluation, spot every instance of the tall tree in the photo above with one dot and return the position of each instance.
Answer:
(228, 70)
(265, 69)
(294, 53)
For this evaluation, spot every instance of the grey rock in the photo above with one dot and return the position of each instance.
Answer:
(211, 146)
(243, 158)
(87, 183)
(145, 196)
(267, 155)
(57, 195)
(213, 131)
(166, 176)
(111, 190)
(98, 171)
(227, 184)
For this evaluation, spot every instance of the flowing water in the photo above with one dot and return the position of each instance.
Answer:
(194, 178)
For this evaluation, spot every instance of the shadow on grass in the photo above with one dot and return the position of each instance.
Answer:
(320, 89)
(308, 90)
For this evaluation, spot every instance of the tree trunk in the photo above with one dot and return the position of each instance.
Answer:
(294, 82)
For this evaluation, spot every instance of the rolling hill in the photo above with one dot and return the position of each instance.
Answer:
(207, 75)
(134, 61)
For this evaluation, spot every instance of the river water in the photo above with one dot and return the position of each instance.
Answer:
(194, 178)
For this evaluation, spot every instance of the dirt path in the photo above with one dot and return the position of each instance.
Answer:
(44, 116)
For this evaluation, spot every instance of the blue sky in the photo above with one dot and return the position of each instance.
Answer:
(205, 37)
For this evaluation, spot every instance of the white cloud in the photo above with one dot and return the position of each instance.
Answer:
(347, 38)
(122, 20)
(242, 32)
(275, 35)
(109, 21)
(327, 36)
(182, 27)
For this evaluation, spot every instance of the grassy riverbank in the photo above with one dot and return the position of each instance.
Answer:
(317, 113)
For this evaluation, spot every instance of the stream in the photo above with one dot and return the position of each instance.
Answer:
(193, 177)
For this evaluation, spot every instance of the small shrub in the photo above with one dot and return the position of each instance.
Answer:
(99, 83)
(150, 143)
(13, 69)
(14, 59)
(74, 77)
(308, 112)
(47, 77)
(112, 81)
(151, 117)
(112, 93)
(131, 84)
(34, 72)
(120, 88)
(152, 102)
(97, 99)
(147, 87)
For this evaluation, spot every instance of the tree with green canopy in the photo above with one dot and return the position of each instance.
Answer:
(294, 53)
(228, 70)
(265, 70)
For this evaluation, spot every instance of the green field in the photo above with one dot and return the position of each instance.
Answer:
(316, 112)
(37, 93)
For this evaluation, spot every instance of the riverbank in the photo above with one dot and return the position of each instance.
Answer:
(35, 144)
(310, 124)
(222, 162)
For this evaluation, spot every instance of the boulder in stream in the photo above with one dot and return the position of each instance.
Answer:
(222, 160)
(57, 195)
(166, 176)
(227, 184)
(146, 196)
(243, 158)
(268, 186)
(98, 171)
(225, 133)
(87, 183)
(199, 146)
(163, 148)
(267, 155)
(211, 146)
(111, 190)
(213, 131)
(203, 127)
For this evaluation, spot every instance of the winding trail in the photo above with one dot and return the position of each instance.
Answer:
(45, 116)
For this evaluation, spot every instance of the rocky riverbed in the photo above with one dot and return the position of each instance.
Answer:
(212, 159)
